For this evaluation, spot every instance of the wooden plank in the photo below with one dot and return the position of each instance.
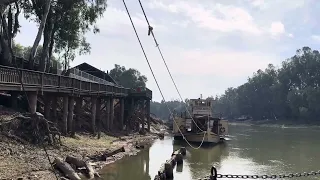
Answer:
(35, 81)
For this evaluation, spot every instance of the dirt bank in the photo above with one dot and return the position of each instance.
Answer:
(29, 161)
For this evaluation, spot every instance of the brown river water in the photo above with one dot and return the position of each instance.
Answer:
(251, 150)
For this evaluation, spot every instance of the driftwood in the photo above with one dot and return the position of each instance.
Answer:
(105, 155)
(66, 169)
(78, 163)
(108, 154)
(140, 144)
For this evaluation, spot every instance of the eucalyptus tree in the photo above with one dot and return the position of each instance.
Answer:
(9, 27)
(65, 28)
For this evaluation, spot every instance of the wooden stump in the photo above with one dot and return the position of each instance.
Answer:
(183, 151)
(166, 169)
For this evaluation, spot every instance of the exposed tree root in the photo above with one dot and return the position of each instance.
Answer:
(29, 128)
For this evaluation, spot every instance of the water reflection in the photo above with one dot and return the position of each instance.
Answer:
(252, 150)
(136, 166)
(201, 160)
(278, 150)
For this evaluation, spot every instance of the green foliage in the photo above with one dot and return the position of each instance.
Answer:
(290, 92)
(160, 109)
(71, 20)
(129, 78)
(132, 78)
(21, 51)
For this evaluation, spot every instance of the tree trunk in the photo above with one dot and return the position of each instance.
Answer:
(38, 37)
(51, 46)
(45, 59)
(5, 48)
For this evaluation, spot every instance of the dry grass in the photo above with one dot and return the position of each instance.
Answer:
(85, 141)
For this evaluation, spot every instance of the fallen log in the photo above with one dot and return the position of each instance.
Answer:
(66, 169)
(78, 163)
(140, 144)
(108, 154)
(105, 155)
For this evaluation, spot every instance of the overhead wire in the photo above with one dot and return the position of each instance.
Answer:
(154, 77)
(150, 31)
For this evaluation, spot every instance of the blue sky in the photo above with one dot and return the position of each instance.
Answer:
(209, 45)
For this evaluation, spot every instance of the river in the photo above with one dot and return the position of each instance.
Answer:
(250, 150)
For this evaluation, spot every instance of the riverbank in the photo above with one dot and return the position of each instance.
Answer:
(28, 161)
(275, 123)
(21, 159)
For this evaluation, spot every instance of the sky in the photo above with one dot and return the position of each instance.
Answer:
(208, 45)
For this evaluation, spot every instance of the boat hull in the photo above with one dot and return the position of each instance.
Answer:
(210, 138)
(177, 137)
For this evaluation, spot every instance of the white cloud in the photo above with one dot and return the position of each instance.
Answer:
(220, 62)
(222, 18)
(258, 3)
(116, 21)
(155, 4)
(181, 23)
(316, 38)
(219, 17)
(277, 28)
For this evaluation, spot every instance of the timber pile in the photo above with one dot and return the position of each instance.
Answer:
(28, 128)
(166, 169)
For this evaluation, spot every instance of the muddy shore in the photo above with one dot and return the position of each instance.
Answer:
(23, 160)
(30, 162)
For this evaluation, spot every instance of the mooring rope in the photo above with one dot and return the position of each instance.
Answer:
(154, 77)
(150, 31)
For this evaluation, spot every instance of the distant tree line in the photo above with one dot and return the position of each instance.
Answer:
(160, 109)
(291, 92)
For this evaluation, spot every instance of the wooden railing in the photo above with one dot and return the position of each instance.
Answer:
(9, 76)
(35, 80)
